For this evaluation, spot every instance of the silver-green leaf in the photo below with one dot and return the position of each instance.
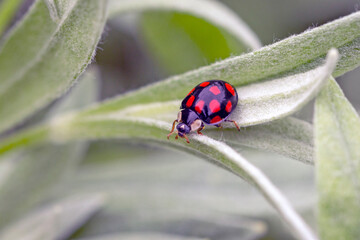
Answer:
(274, 99)
(56, 221)
(73, 128)
(296, 54)
(32, 175)
(29, 176)
(128, 174)
(258, 103)
(337, 152)
(290, 137)
(56, 41)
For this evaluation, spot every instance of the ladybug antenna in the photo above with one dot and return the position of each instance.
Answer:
(172, 129)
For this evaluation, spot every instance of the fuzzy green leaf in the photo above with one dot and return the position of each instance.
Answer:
(123, 125)
(258, 103)
(300, 53)
(337, 141)
(72, 127)
(77, 128)
(290, 137)
(56, 41)
(274, 99)
(155, 132)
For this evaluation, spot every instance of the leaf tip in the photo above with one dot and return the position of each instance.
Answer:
(332, 57)
(53, 10)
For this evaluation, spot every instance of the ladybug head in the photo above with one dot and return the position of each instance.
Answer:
(188, 121)
(183, 129)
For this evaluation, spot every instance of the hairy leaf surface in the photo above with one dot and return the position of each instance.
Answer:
(56, 41)
(337, 141)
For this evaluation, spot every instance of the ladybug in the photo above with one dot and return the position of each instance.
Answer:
(210, 102)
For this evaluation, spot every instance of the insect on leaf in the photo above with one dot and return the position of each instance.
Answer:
(294, 55)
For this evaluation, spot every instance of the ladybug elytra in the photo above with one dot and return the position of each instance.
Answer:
(210, 102)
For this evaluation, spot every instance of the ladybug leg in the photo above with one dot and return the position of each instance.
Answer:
(236, 125)
(183, 136)
(201, 128)
(172, 129)
(187, 139)
(219, 125)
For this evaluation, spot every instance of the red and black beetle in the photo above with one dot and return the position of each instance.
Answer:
(210, 102)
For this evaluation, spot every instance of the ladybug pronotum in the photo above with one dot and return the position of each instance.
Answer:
(210, 102)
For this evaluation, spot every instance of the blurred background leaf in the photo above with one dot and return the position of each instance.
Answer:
(34, 175)
(55, 221)
(278, 19)
(139, 236)
(212, 11)
(187, 37)
(170, 183)
(30, 176)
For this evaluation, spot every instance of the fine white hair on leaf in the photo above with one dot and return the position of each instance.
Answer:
(53, 10)
(48, 49)
(297, 54)
(260, 102)
(274, 99)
